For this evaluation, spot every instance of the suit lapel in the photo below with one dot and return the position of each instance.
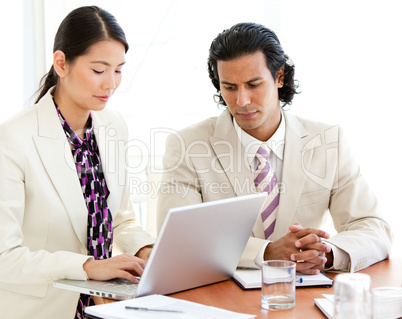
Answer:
(57, 159)
(293, 178)
(231, 155)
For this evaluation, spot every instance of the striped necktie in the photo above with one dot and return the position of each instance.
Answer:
(265, 181)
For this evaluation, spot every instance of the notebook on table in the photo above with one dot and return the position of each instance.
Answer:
(251, 279)
(197, 245)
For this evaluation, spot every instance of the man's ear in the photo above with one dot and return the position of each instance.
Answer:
(59, 63)
(280, 77)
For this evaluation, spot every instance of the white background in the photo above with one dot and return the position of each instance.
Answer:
(347, 56)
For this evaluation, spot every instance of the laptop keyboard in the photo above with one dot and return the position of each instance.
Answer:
(124, 285)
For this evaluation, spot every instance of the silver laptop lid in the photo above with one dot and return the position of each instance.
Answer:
(200, 244)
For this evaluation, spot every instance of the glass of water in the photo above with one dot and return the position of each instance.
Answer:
(352, 296)
(278, 284)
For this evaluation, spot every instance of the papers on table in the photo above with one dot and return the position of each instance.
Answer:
(387, 303)
(326, 305)
(159, 306)
(251, 279)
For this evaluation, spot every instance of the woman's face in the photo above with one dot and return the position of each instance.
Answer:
(91, 79)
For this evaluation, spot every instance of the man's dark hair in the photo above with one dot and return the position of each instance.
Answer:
(248, 38)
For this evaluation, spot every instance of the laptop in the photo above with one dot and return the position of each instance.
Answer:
(197, 245)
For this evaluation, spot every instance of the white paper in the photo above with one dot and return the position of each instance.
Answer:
(116, 310)
(326, 305)
(387, 304)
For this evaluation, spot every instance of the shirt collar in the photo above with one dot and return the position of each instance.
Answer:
(250, 144)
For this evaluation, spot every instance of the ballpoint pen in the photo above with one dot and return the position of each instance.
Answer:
(299, 279)
(152, 309)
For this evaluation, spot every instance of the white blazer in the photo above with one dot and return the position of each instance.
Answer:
(320, 179)
(43, 228)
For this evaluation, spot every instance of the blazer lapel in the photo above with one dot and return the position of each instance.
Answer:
(293, 178)
(231, 155)
(55, 153)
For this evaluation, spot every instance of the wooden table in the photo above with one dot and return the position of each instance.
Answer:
(228, 295)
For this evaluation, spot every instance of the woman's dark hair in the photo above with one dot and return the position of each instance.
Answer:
(79, 30)
(248, 38)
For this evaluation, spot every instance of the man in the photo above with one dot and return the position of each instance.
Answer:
(306, 167)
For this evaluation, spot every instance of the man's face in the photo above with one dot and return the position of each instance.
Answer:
(251, 94)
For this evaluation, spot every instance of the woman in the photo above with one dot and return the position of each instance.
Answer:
(63, 197)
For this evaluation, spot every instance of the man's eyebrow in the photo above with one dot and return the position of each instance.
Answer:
(226, 82)
(257, 78)
(106, 63)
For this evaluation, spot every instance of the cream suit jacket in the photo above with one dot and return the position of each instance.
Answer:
(43, 228)
(206, 162)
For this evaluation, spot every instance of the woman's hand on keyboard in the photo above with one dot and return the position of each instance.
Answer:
(121, 266)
